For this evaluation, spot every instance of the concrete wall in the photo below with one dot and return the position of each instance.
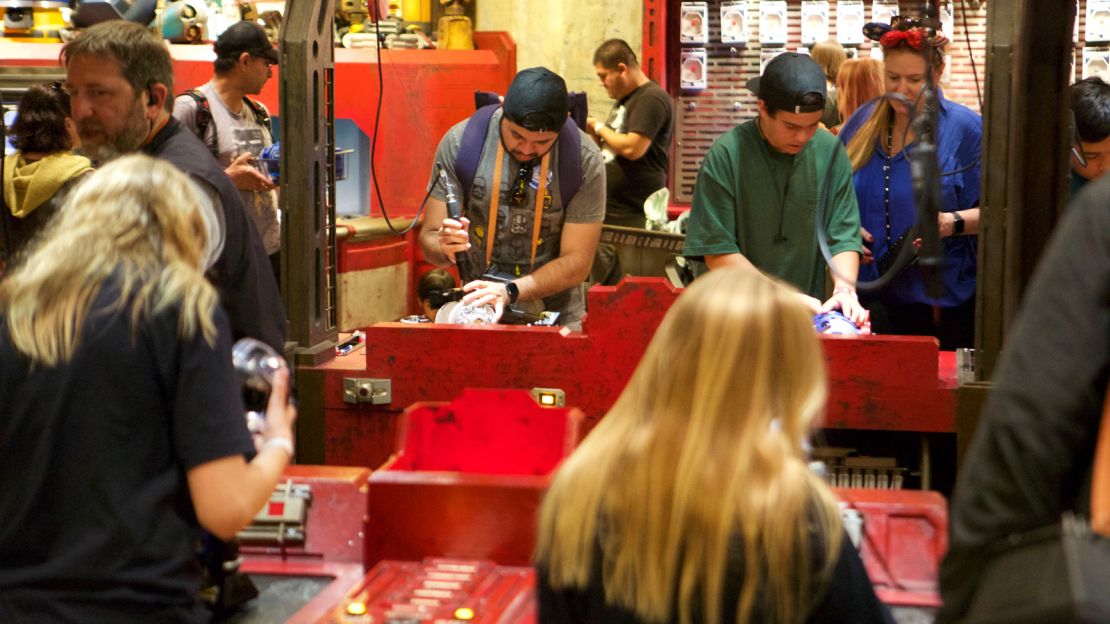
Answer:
(562, 36)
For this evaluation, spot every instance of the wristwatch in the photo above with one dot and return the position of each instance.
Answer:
(513, 290)
(957, 224)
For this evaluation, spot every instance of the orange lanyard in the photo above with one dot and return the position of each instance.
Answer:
(541, 192)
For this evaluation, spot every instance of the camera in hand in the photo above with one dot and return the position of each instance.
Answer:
(257, 364)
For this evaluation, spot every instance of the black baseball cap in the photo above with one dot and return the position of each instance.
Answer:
(537, 100)
(245, 36)
(787, 78)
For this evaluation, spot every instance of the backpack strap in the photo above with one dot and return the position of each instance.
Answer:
(203, 119)
(570, 161)
(474, 138)
(261, 115)
(470, 147)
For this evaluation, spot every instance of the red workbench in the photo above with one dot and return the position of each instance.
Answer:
(879, 382)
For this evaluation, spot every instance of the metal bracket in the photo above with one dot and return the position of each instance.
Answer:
(373, 391)
(283, 520)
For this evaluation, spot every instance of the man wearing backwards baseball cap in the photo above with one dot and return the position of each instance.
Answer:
(542, 267)
(232, 123)
(756, 193)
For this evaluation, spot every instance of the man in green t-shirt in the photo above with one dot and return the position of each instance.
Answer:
(755, 201)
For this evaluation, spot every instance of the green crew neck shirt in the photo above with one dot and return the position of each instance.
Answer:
(753, 200)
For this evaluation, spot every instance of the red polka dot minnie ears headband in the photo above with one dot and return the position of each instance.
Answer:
(911, 30)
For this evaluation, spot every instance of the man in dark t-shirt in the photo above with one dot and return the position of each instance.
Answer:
(636, 137)
(635, 140)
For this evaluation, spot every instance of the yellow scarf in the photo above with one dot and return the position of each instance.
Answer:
(28, 185)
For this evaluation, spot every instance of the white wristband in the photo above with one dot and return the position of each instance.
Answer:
(598, 125)
(280, 442)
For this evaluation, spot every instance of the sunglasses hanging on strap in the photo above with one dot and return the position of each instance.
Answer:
(518, 194)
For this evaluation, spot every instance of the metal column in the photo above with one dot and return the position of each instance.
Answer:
(307, 107)
(1025, 160)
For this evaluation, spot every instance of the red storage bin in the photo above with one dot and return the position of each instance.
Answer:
(468, 478)
(905, 535)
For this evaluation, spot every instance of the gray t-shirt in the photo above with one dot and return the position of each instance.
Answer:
(235, 134)
(512, 250)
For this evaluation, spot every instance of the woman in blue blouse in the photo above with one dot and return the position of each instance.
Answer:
(879, 136)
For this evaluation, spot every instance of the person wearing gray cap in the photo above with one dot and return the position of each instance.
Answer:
(756, 194)
(236, 128)
(532, 242)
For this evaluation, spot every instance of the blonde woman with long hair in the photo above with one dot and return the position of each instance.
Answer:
(859, 81)
(122, 429)
(881, 137)
(692, 500)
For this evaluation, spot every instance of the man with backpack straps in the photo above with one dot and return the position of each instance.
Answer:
(236, 128)
(539, 238)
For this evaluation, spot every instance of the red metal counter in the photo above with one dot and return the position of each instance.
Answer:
(878, 383)
(902, 539)
(300, 582)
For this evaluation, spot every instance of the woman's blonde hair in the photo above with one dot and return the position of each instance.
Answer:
(138, 222)
(862, 144)
(830, 55)
(859, 81)
(702, 448)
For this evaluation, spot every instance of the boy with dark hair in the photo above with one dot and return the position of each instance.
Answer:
(1090, 103)
(436, 280)
(755, 197)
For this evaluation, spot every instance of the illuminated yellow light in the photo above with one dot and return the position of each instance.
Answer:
(464, 613)
(356, 608)
(548, 397)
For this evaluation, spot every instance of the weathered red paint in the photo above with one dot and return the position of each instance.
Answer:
(381, 252)
(905, 535)
(333, 548)
(336, 516)
(876, 382)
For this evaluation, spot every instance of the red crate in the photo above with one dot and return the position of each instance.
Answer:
(468, 478)
(905, 535)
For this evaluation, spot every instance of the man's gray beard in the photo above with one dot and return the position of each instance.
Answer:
(129, 139)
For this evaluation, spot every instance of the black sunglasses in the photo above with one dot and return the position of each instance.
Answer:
(519, 192)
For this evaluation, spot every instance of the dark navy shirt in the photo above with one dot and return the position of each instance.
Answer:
(1077, 183)
(959, 144)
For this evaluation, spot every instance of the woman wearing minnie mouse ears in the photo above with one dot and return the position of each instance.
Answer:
(879, 136)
